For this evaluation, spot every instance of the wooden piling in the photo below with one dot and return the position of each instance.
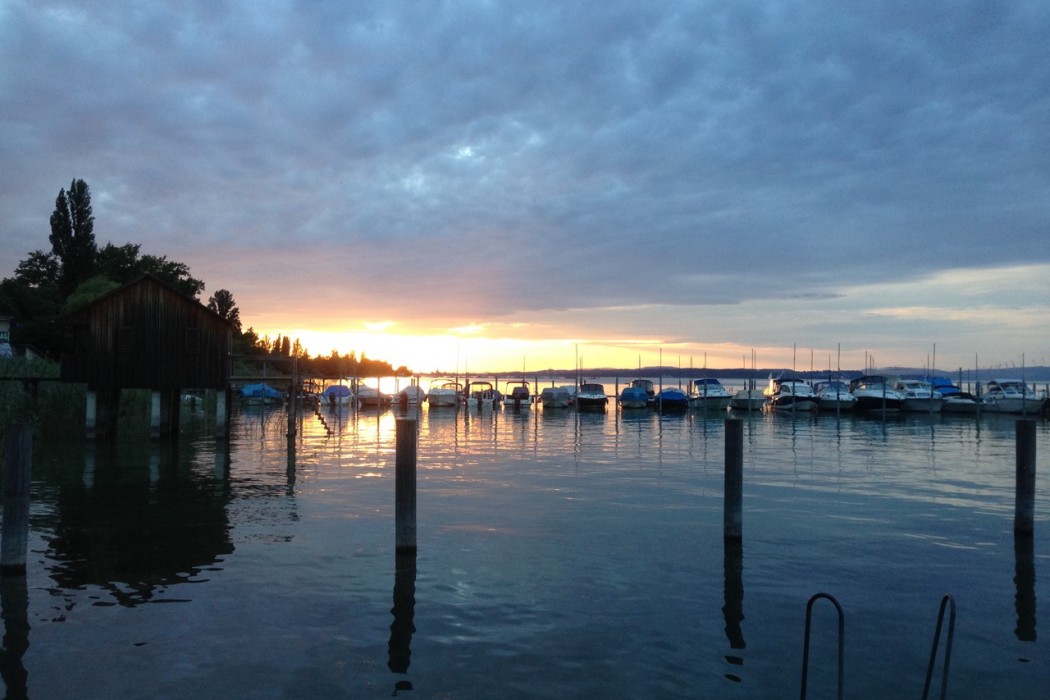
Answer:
(18, 459)
(405, 485)
(734, 480)
(1024, 504)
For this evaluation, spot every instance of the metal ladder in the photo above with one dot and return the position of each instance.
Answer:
(947, 602)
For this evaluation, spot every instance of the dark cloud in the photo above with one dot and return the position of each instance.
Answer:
(598, 143)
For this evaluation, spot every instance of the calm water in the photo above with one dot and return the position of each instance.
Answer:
(559, 556)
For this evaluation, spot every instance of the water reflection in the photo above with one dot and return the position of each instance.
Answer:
(399, 649)
(137, 521)
(14, 601)
(733, 610)
(1024, 578)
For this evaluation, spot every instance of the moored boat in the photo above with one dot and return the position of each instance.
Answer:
(874, 392)
(1011, 396)
(444, 393)
(790, 394)
(482, 394)
(708, 394)
(955, 399)
(519, 395)
(555, 397)
(372, 397)
(591, 396)
(833, 396)
(918, 396)
(633, 397)
(672, 400)
(337, 395)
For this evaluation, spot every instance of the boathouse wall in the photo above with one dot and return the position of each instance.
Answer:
(146, 335)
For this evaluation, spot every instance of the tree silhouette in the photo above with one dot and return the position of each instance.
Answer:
(73, 237)
(222, 303)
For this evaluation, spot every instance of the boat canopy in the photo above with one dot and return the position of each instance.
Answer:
(260, 391)
(337, 391)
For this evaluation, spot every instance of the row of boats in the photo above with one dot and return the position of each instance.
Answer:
(868, 393)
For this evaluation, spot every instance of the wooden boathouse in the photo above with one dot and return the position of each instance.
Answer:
(147, 335)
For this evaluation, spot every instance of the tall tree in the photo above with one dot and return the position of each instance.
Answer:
(73, 237)
(221, 302)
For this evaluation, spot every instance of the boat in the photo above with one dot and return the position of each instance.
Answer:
(261, 394)
(444, 393)
(955, 399)
(337, 395)
(411, 395)
(672, 400)
(918, 396)
(790, 394)
(1011, 396)
(634, 396)
(591, 396)
(371, 397)
(482, 394)
(833, 395)
(748, 399)
(875, 393)
(555, 397)
(708, 394)
(646, 385)
(519, 395)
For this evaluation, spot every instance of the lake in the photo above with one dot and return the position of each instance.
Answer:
(559, 555)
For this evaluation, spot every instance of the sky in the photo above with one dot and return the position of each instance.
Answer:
(486, 186)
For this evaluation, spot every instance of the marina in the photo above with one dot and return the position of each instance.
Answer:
(560, 554)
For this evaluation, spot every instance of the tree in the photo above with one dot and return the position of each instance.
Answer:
(222, 303)
(73, 237)
(123, 264)
(40, 269)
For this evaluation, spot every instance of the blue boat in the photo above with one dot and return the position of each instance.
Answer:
(261, 393)
(672, 400)
(634, 397)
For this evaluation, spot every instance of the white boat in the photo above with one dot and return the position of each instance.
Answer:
(555, 397)
(411, 395)
(790, 394)
(748, 399)
(337, 395)
(708, 394)
(918, 396)
(371, 397)
(955, 399)
(875, 393)
(591, 396)
(833, 396)
(1011, 396)
(482, 395)
(444, 393)
(518, 395)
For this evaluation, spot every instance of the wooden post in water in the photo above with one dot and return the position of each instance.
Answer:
(18, 459)
(734, 480)
(1024, 508)
(405, 486)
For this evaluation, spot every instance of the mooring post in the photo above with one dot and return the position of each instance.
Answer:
(734, 480)
(405, 485)
(18, 459)
(1024, 508)
(222, 414)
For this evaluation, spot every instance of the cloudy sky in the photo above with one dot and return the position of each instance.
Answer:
(487, 185)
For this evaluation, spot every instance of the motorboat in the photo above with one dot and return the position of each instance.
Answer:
(672, 400)
(833, 396)
(790, 394)
(1011, 396)
(874, 392)
(555, 397)
(708, 394)
(591, 396)
(444, 393)
(633, 396)
(337, 395)
(482, 395)
(748, 398)
(261, 394)
(519, 395)
(371, 397)
(647, 386)
(918, 396)
(955, 399)
(411, 395)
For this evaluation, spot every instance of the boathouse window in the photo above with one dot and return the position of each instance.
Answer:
(193, 339)
(126, 339)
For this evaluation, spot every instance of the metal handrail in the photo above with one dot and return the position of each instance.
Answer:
(842, 639)
(947, 648)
